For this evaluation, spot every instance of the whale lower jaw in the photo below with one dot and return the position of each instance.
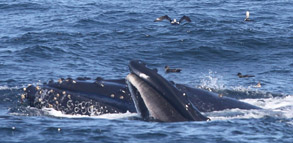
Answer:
(158, 107)
(154, 104)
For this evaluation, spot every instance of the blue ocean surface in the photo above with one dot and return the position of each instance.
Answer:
(49, 39)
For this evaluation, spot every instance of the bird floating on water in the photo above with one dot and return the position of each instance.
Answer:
(247, 16)
(258, 85)
(174, 21)
(242, 76)
(168, 70)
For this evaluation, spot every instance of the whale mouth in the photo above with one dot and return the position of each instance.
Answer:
(156, 98)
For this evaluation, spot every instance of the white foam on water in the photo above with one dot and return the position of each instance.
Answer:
(272, 103)
(5, 87)
(283, 105)
(273, 106)
(55, 113)
(214, 81)
(236, 114)
(279, 107)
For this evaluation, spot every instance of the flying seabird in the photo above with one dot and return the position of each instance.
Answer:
(173, 22)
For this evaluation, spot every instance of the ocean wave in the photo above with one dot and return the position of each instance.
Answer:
(241, 92)
(42, 37)
(89, 21)
(281, 105)
(201, 52)
(9, 96)
(40, 52)
(245, 114)
(283, 71)
(5, 87)
(7, 81)
(24, 6)
(24, 38)
(275, 107)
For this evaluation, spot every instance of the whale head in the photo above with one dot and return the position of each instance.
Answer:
(158, 99)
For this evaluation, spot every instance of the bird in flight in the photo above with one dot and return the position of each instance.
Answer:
(174, 21)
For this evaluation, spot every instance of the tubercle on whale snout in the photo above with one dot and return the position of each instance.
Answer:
(62, 101)
(29, 95)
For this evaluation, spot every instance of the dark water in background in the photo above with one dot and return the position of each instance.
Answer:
(49, 39)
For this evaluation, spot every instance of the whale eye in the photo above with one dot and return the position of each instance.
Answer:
(141, 63)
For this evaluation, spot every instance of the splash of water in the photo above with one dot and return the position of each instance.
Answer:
(279, 104)
(212, 81)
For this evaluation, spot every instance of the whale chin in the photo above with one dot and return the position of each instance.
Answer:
(150, 105)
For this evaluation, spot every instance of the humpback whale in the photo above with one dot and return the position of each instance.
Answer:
(174, 21)
(143, 91)
(158, 99)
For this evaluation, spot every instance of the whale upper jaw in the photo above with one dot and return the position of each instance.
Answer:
(76, 97)
(156, 98)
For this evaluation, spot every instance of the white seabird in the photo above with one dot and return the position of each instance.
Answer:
(247, 16)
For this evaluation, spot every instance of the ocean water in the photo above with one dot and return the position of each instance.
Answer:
(49, 39)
